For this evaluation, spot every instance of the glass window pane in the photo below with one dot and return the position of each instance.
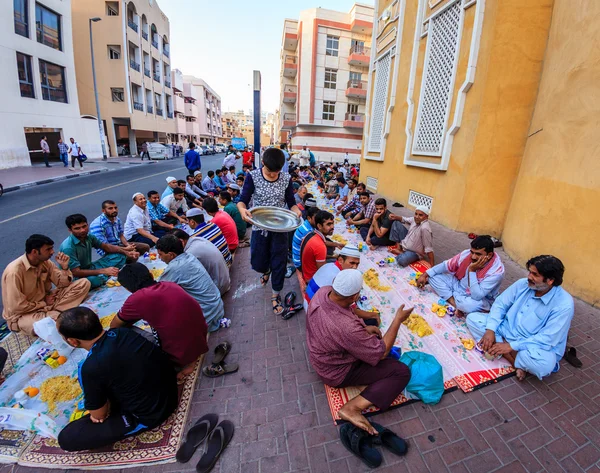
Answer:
(25, 79)
(47, 27)
(52, 78)
(20, 17)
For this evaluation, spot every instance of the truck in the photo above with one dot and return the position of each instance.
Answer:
(238, 143)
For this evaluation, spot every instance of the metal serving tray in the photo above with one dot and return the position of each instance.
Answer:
(274, 219)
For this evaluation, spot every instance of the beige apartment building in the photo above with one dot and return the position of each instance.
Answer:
(133, 71)
(325, 57)
(208, 104)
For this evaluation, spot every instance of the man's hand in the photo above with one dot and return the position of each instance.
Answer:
(129, 248)
(154, 239)
(339, 245)
(96, 421)
(368, 241)
(298, 212)
(488, 340)
(403, 313)
(246, 214)
(500, 349)
(49, 299)
(182, 219)
(377, 214)
(111, 271)
(132, 254)
(423, 278)
(62, 260)
(480, 263)
(373, 330)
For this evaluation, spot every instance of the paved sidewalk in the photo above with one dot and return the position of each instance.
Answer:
(26, 176)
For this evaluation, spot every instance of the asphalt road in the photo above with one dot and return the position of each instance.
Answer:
(42, 209)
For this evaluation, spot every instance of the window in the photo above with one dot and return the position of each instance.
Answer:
(112, 8)
(332, 46)
(117, 94)
(21, 17)
(379, 102)
(114, 51)
(328, 110)
(52, 78)
(355, 76)
(330, 78)
(352, 109)
(25, 75)
(48, 27)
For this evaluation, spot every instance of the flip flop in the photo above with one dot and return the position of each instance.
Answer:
(571, 357)
(217, 370)
(360, 443)
(216, 443)
(289, 299)
(389, 440)
(221, 351)
(195, 436)
(289, 312)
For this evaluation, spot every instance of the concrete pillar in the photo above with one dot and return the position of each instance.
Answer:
(132, 141)
(111, 138)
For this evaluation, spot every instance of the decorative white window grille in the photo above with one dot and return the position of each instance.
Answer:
(330, 78)
(328, 110)
(438, 77)
(372, 183)
(415, 199)
(380, 93)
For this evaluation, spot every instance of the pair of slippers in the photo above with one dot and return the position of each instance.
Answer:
(218, 367)
(290, 309)
(362, 444)
(217, 436)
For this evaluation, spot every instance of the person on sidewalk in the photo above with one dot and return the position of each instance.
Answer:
(345, 352)
(415, 242)
(343, 192)
(173, 314)
(307, 226)
(529, 322)
(210, 231)
(140, 395)
(304, 156)
(248, 157)
(78, 247)
(27, 286)
(76, 154)
(145, 153)
(269, 186)
(188, 273)
(210, 257)
(218, 181)
(235, 189)
(353, 206)
(313, 251)
(138, 226)
(63, 150)
(162, 218)
(231, 209)
(171, 185)
(378, 233)
(230, 157)
(192, 159)
(470, 281)
(45, 150)
(108, 228)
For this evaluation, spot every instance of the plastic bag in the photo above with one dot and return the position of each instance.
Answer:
(47, 331)
(27, 419)
(426, 376)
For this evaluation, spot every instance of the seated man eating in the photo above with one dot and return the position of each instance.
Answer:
(163, 219)
(528, 323)
(378, 232)
(174, 315)
(470, 281)
(128, 383)
(27, 292)
(413, 243)
(313, 251)
(363, 218)
(345, 352)
(138, 226)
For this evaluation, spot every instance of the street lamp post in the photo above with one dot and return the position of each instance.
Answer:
(100, 126)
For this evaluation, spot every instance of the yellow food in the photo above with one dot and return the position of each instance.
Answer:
(156, 272)
(61, 360)
(110, 283)
(105, 321)
(418, 325)
(31, 391)
(371, 279)
(54, 354)
(339, 239)
(59, 389)
(468, 343)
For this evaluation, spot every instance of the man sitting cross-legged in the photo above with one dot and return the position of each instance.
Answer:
(378, 233)
(528, 323)
(163, 219)
(108, 228)
(78, 247)
(27, 292)
(176, 203)
(313, 251)
(224, 221)
(210, 231)
(187, 272)
(171, 185)
(345, 352)
(364, 217)
(230, 208)
(415, 242)
(470, 281)
(128, 383)
(173, 314)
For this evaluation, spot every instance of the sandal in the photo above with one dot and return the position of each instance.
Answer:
(571, 357)
(277, 308)
(389, 440)
(217, 370)
(289, 272)
(289, 312)
(289, 299)
(217, 442)
(195, 436)
(221, 351)
(264, 279)
(360, 443)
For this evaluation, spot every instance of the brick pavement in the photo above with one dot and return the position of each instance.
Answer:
(283, 422)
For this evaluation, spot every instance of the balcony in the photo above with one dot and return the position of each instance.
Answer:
(134, 65)
(157, 77)
(166, 52)
(289, 120)
(147, 72)
(149, 109)
(167, 83)
(359, 55)
(133, 25)
(290, 66)
(138, 106)
(354, 120)
(145, 35)
(178, 102)
(159, 111)
(169, 114)
(356, 89)
(290, 41)
(289, 93)
(155, 44)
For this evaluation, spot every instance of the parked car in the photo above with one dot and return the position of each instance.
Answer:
(207, 150)
(219, 148)
(158, 151)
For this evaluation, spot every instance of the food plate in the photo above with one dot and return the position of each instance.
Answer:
(274, 219)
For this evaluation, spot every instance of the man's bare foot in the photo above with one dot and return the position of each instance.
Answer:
(395, 251)
(521, 374)
(354, 416)
(371, 247)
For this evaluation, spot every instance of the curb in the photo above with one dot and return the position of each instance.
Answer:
(26, 185)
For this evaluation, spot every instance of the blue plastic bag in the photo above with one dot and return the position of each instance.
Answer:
(426, 376)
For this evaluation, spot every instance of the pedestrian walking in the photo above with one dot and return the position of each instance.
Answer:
(63, 150)
(145, 150)
(192, 160)
(45, 150)
(76, 153)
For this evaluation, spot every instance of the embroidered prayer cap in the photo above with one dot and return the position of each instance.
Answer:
(196, 173)
(170, 179)
(135, 195)
(310, 202)
(348, 282)
(350, 250)
(423, 209)
(235, 187)
(193, 212)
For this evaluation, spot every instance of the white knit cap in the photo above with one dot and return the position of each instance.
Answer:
(171, 178)
(235, 187)
(196, 173)
(348, 282)
(193, 212)
(350, 250)
(135, 195)
(423, 209)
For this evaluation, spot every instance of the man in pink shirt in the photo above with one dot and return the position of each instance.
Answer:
(345, 352)
(222, 220)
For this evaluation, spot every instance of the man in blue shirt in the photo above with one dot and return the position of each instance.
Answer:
(218, 180)
(528, 323)
(192, 159)
(303, 230)
(208, 184)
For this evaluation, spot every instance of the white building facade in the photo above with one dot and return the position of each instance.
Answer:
(39, 84)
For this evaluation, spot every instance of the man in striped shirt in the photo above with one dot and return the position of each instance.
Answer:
(210, 231)
(303, 230)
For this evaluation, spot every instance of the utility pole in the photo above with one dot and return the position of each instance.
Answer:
(257, 121)
(100, 125)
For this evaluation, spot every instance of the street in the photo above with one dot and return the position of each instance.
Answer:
(42, 209)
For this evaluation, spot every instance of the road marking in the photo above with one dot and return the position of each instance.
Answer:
(170, 171)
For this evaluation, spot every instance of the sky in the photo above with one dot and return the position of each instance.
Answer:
(223, 41)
